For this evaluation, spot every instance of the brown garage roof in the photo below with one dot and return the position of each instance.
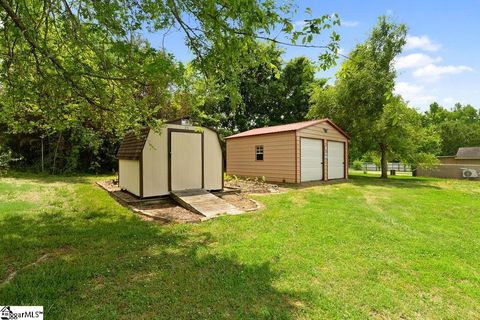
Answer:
(468, 153)
(132, 145)
(285, 127)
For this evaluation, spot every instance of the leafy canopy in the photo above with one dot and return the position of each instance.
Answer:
(362, 101)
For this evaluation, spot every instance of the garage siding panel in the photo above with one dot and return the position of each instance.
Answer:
(213, 161)
(278, 163)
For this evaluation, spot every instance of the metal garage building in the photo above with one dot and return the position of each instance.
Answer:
(180, 157)
(297, 152)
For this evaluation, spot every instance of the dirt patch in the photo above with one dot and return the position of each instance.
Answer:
(167, 211)
(241, 202)
(252, 186)
(164, 209)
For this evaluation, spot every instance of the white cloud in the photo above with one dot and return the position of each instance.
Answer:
(433, 72)
(448, 100)
(422, 43)
(415, 60)
(346, 23)
(414, 94)
(299, 24)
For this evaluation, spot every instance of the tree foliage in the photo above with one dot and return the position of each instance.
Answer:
(362, 102)
(76, 74)
(271, 93)
(459, 127)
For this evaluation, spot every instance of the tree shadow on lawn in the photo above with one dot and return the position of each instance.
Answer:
(404, 183)
(107, 265)
(401, 183)
(46, 178)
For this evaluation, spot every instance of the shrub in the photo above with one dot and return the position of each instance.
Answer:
(6, 158)
(357, 165)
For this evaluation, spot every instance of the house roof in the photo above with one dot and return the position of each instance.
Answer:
(132, 145)
(468, 153)
(285, 128)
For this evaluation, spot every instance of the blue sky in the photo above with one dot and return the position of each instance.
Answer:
(441, 61)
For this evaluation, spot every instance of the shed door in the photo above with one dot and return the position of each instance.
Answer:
(336, 160)
(311, 163)
(186, 160)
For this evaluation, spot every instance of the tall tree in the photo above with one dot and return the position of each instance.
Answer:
(297, 78)
(362, 101)
(271, 93)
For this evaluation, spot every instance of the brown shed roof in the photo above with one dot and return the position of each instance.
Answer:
(285, 127)
(132, 145)
(468, 153)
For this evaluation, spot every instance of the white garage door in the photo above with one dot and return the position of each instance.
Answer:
(336, 160)
(311, 164)
(186, 161)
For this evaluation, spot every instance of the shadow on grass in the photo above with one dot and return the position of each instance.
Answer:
(109, 265)
(406, 182)
(49, 178)
(393, 182)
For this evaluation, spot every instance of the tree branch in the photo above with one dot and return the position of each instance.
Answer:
(50, 56)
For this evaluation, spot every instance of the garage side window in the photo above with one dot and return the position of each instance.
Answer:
(259, 153)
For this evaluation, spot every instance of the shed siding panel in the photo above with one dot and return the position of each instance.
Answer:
(213, 166)
(155, 164)
(155, 161)
(317, 132)
(279, 157)
(129, 175)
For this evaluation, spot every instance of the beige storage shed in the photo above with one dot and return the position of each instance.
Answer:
(297, 152)
(181, 157)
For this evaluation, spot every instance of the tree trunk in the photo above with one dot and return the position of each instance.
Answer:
(56, 152)
(384, 162)
(43, 166)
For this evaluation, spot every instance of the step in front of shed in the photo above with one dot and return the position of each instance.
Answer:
(204, 203)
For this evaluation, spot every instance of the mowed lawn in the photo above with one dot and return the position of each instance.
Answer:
(406, 248)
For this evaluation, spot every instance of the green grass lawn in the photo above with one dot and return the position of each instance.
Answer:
(406, 248)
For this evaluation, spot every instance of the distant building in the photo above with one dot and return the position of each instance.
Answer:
(464, 156)
(465, 164)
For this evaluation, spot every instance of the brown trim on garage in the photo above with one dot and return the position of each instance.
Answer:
(300, 155)
(169, 150)
(323, 159)
(296, 158)
(345, 161)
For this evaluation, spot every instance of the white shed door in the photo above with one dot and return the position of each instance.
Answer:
(336, 160)
(311, 164)
(186, 160)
